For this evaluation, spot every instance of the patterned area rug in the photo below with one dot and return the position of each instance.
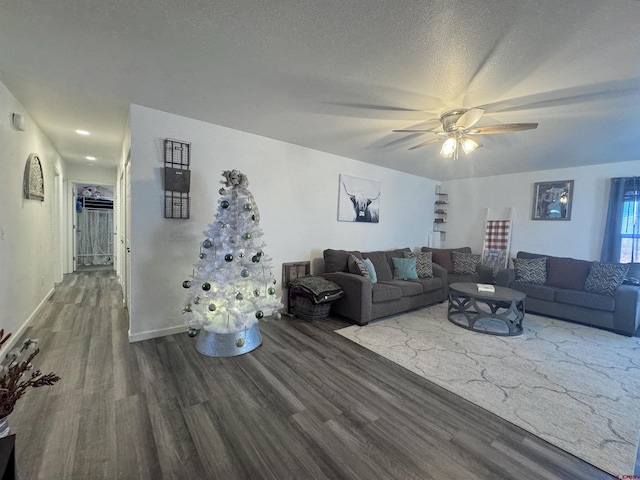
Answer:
(574, 386)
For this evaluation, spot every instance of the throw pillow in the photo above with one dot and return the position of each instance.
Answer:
(404, 269)
(357, 266)
(567, 273)
(531, 270)
(372, 271)
(424, 265)
(604, 278)
(443, 259)
(465, 263)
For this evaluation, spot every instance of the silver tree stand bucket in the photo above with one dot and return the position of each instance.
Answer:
(214, 344)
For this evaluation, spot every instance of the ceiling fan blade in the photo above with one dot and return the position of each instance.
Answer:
(412, 131)
(506, 128)
(426, 143)
(469, 118)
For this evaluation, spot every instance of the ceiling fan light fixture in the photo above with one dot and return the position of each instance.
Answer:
(469, 145)
(448, 147)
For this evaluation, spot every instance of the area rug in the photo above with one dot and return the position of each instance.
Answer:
(576, 387)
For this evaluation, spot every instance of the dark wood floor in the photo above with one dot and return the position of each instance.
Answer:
(307, 404)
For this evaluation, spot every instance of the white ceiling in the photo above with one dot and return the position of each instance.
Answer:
(337, 75)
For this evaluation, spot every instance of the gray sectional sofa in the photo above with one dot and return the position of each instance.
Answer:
(576, 290)
(365, 300)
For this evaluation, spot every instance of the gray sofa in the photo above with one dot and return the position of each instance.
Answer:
(563, 294)
(364, 300)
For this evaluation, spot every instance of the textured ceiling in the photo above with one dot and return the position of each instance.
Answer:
(337, 76)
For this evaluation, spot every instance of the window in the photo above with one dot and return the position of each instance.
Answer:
(630, 232)
(621, 241)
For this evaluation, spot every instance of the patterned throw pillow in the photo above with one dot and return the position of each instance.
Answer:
(604, 278)
(531, 270)
(424, 266)
(357, 266)
(465, 263)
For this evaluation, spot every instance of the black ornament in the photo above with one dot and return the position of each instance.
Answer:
(228, 257)
(271, 290)
(222, 191)
(186, 284)
(224, 204)
(192, 332)
(248, 206)
(203, 256)
(239, 296)
(212, 307)
(246, 236)
(206, 286)
(259, 314)
(260, 253)
(255, 258)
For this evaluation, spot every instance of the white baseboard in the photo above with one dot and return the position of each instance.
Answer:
(163, 332)
(15, 336)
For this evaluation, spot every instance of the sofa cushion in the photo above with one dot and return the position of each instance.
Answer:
(604, 278)
(356, 265)
(442, 256)
(530, 270)
(337, 260)
(465, 263)
(424, 263)
(430, 284)
(588, 300)
(408, 287)
(380, 263)
(383, 292)
(404, 269)
(371, 269)
(567, 272)
(443, 259)
(541, 292)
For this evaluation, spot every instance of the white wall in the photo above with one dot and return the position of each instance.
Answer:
(27, 227)
(296, 190)
(581, 237)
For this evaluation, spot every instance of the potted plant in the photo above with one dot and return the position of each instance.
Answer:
(15, 379)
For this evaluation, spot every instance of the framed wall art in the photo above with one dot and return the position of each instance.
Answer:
(33, 179)
(358, 200)
(552, 200)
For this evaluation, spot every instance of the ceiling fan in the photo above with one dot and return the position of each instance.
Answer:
(458, 131)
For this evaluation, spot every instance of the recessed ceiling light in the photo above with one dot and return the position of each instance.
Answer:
(90, 158)
(83, 132)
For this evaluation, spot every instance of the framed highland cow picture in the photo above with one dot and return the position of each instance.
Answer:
(358, 200)
(552, 200)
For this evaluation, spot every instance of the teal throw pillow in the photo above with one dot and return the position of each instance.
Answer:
(372, 270)
(404, 269)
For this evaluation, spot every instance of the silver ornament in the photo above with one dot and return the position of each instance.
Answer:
(277, 315)
(256, 292)
(212, 307)
(222, 191)
(245, 273)
(203, 256)
(240, 342)
(239, 296)
(196, 300)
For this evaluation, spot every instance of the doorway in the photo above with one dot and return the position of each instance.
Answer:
(93, 207)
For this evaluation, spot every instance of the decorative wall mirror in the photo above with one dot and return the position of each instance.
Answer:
(33, 179)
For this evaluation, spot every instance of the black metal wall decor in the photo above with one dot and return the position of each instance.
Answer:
(177, 178)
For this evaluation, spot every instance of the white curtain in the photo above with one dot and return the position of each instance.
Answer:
(95, 237)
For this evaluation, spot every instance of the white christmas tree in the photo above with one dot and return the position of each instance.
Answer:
(232, 286)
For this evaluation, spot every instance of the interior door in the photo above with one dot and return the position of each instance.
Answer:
(127, 234)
